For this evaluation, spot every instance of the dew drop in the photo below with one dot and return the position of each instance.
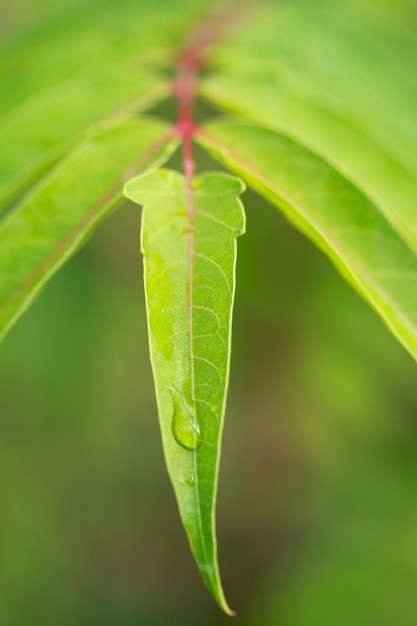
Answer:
(185, 427)
(186, 430)
(190, 480)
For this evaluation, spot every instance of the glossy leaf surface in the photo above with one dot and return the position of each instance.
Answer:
(189, 261)
(338, 218)
(54, 219)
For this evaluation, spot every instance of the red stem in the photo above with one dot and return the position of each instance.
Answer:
(184, 90)
(190, 62)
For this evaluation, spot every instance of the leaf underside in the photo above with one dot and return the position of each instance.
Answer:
(189, 267)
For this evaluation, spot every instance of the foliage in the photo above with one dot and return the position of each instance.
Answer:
(328, 137)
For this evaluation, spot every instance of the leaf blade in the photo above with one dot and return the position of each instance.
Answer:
(81, 67)
(331, 81)
(332, 213)
(55, 218)
(44, 128)
(189, 334)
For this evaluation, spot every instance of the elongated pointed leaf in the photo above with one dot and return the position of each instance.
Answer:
(43, 129)
(190, 284)
(57, 216)
(47, 125)
(347, 226)
(100, 35)
(342, 85)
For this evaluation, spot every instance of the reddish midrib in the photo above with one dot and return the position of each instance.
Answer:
(190, 62)
(184, 89)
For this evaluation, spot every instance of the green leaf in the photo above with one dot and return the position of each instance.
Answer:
(341, 85)
(43, 128)
(190, 258)
(100, 36)
(91, 64)
(346, 225)
(55, 218)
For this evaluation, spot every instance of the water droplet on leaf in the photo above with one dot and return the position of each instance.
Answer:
(186, 430)
(190, 480)
(185, 427)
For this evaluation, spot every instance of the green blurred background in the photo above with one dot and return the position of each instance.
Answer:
(317, 509)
